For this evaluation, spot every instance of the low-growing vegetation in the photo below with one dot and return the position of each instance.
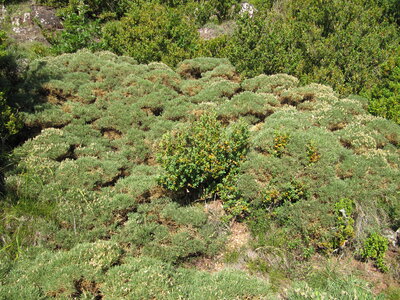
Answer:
(96, 202)
(351, 46)
(199, 149)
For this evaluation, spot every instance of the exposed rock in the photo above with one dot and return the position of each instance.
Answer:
(28, 27)
(247, 8)
(46, 17)
(214, 209)
(207, 33)
(211, 31)
(3, 12)
(392, 236)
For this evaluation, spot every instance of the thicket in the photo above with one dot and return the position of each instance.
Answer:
(153, 32)
(351, 46)
(320, 174)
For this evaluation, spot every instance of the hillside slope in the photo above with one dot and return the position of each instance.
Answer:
(321, 175)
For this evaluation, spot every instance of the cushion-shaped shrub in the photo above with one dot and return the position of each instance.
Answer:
(217, 92)
(194, 68)
(270, 83)
(251, 105)
(53, 275)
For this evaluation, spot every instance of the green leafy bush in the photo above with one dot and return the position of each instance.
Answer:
(198, 157)
(375, 247)
(288, 193)
(313, 154)
(10, 122)
(385, 96)
(344, 209)
(78, 31)
(280, 142)
(152, 32)
(348, 47)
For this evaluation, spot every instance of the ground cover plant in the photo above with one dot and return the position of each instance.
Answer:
(92, 210)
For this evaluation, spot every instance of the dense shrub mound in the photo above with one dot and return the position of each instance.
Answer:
(321, 174)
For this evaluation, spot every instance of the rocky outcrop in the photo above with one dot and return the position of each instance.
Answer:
(46, 17)
(246, 7)
(3, 12)
(29, 26)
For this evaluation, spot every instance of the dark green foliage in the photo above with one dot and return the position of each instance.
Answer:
(200, 156)
(385, 96)
(10, 120)
(223, 8)
(152, 32)
(348, 46)
(10, 123)
(288, 193)
(55, 3)
(78, 31)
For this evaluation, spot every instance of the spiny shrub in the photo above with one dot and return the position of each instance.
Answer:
(217, 92)
(151, 231)
(146, 278)
(333, 288)
(94, 162)
(270, 83)
(251, 106)
(198, 157)
(51, 273)
(195, 68)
